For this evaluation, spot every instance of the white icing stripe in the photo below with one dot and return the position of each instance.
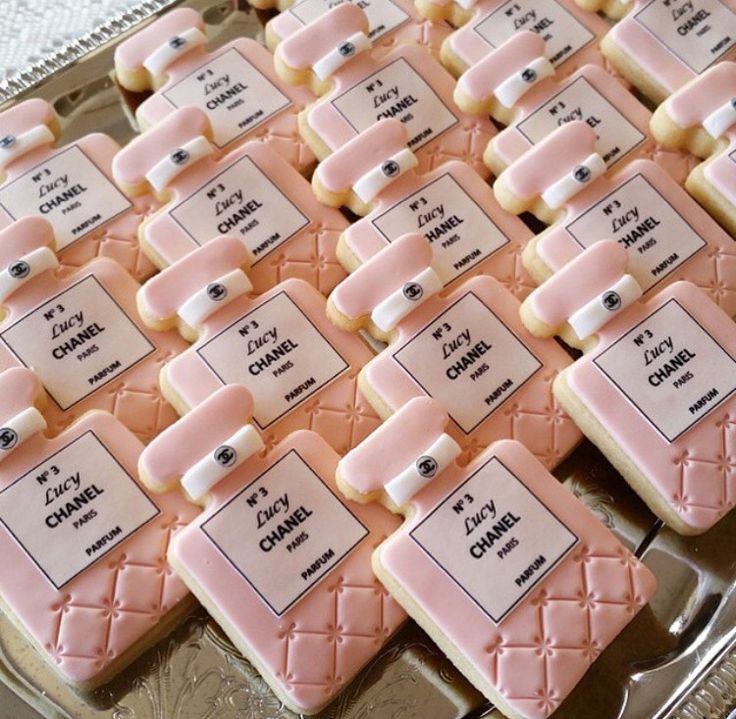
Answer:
(216, 295)
(441, 453)
(330, 63)
(557, 194)
(594, 314)
(173, 49)
(511, 89)
(721, 119)
(17, 273)
(13, 146)
(163, 172)
(205, 474)
(370, 184)
(391, 310)
(19, 428)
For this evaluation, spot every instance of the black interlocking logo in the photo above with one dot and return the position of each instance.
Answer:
(390, 168)
(180, 156)
(426, 466)
(18, 270)
(225, 456)
(528, 75)
(8, 438)
(611, 301)
(347, 49)
(412, 291)
(216, 291)
(176, 42)
(7, 141)
(581, 174)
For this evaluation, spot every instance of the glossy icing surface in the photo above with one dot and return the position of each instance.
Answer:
(251, 193)
(82, 333)
(537, 651)
(121, 594)
(73, 188)
(217, 82)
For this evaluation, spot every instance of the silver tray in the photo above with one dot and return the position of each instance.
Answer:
(677, 660)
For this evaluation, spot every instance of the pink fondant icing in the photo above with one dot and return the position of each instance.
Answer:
(674, 440)
(48, 179)
(472, 334)
(284, 326)
(668, 235)
(572, 34)
(405, 83)
(251, 193)
(531, 657)
(116, 599)
(671, 44)
(308, 636)
(54, 322)
(590, 94)
(214, 81)
(469, 232)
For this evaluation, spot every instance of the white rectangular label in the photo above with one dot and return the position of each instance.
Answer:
(285, 531)
(657, 238)
(698, 32)
(397, 91)
(244, 202)
(494, 538)
(68, 190)
(77, 342)
(278, 354)
(468, 360)
(461, 234)
(581, 101)
(563, 34)
(74, 508)
(384, 16)
(670, 369)
(236, 96)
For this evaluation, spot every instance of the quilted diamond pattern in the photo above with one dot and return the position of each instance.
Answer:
(282, 134)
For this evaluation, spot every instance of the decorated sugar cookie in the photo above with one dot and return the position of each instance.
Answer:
(571, 34)
(235, 85)
(662, 44)
(666, 235)
(280, 560)
(300, 369)
(701, 119)
(80, 333)
(84, 572)
(251, 193)
(512, 577)
(655, 391)
(452, 206)
(466, 348)
(359, 88)
(70, 186)
(518, 86)
(390, 22)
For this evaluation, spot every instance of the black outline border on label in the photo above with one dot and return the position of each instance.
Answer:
(612, 108)
(267, 179)
(462, 190)
(289, 101)
(437, 319)
(575, 19)
(630, 399)
(671, 50)
(50, 300)
(31, 471)
(328, 571)
(618, 189)
(551, 567)
(52, 158)
(358, 85)
(371, 33)
(241, 319)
